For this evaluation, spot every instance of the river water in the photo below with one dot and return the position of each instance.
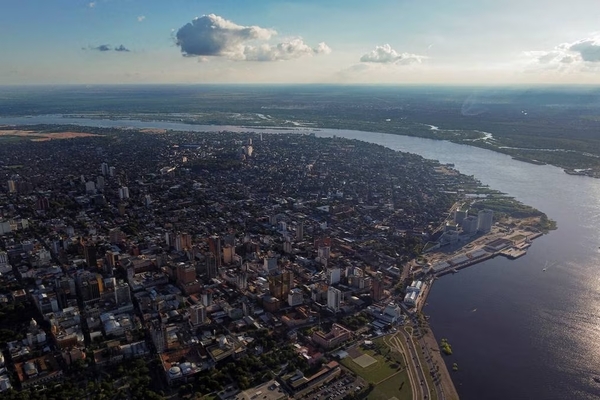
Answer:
(517, 332)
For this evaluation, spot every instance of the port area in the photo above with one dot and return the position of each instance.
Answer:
(500, 241)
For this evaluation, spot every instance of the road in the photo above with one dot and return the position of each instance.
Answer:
(403, 343)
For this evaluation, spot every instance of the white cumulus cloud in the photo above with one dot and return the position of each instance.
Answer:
(212, 35)
(581, 55)
(386, 55)
(141, 18)
(294, 48)
(92, 4)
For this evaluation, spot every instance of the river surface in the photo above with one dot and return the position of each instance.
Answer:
(517, 332)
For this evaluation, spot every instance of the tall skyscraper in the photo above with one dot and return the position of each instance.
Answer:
(197, 314)
(123, 192)
(104, 169)
(211, 266)
(299, 230)
(214, 245)
(334, 299)
(485, 219)
(281, 284)
(91, 258)
(377, 292)
(12, 186)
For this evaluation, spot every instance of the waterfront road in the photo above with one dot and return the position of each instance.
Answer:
(403, 343)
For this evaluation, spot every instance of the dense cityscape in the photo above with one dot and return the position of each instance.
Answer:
(220, 264)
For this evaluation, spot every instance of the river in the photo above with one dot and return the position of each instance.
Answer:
(517, 332)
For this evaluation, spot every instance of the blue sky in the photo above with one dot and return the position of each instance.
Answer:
(310, 41)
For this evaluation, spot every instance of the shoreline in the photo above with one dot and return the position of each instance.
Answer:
(428, 337)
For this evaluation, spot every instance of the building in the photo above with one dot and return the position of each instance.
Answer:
(377, 292)
(333, 276)
(469, 224)
(116, 235)
(104, 169)
(211, 268)
(295, 297)
(122, 293)
(183, 241)
(281, 284)
(415, 286)
(214, 246)
(90, 187)
(270, 264)
(334, 299)
(197, 314)
(186, 274)
(299, 231)
(336, 336)
(123, 192)
(12, 186)
(89, 251)
(460, 214)
(485, 218)
(228, 253)
(411, 298)
(4, 265)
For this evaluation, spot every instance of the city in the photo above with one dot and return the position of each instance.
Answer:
(202, 253)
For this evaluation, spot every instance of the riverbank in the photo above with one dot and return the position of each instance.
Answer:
(429, 341)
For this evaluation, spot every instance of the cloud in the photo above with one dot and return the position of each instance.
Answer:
(92, 4)
(386, 55)
(141, 18)
(214, 36)
(581, 55)
(588, 49)
(106, 47)
(294, 48)
(102, 47)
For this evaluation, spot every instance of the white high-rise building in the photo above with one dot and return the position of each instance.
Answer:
(197, 314)
(485, 219)
(334, 299)
(12, 186)
(104, 170)
(111, 171)
(123, 192)
(333, 276)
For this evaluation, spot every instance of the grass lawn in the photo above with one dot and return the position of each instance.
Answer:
(391, 388)
(373, 373)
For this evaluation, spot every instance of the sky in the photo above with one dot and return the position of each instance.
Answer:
(458, 42)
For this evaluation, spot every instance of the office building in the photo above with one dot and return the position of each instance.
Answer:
(281, 284)
(485, 220)
(214, 246)
(334, 299)
(123, 192)
(197, 314)
(333, 276)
